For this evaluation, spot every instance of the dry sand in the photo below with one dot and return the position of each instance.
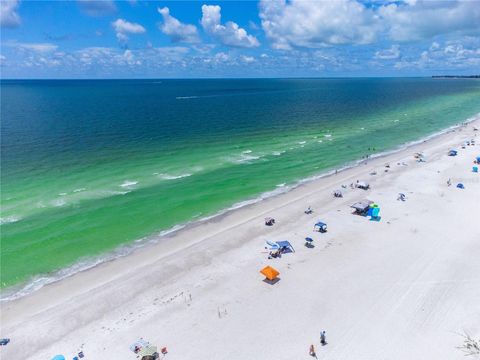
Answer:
(405, 287)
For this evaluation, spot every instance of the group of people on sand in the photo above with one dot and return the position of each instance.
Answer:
(323, 342)
(277, 253)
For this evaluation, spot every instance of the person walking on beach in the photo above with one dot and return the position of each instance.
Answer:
(312, 351)
(323, 338)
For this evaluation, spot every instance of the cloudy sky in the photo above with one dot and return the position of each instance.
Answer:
(266, 38)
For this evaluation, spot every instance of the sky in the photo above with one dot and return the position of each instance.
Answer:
(266, 38)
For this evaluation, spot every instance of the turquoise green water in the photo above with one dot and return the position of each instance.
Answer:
(88, 166)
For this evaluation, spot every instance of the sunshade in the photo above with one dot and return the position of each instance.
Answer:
(58, 357)
(270, 273)
(285, 244)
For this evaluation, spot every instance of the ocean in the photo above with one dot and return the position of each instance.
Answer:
(90, 169)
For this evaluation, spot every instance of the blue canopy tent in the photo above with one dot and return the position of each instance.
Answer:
(452, 152)
(320, 227)
(285, 246)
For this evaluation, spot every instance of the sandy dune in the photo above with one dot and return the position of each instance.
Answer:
(405, 287)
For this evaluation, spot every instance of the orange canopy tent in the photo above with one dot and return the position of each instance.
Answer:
(270, 273)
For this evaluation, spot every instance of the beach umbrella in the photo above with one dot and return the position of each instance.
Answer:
(58, 357)
(270, 273)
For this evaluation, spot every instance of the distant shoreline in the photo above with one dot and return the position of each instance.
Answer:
(456, 77)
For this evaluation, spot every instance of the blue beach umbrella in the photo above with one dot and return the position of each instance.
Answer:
(58, 357)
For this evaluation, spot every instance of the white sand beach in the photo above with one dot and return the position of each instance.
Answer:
(405, 287)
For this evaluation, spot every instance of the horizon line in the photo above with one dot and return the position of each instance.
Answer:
(249, 78)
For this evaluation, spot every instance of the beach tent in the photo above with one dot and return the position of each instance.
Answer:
(320, 227)
(285, 246)
(475, 169)
(478, 159)
(363, 185)
(460, 186)
(361, 207)
(452, 152)
(58, 357)
(270, 273)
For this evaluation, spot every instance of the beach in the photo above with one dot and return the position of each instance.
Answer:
(404, 287)
(85, 181)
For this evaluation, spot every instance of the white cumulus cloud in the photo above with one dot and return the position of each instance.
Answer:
(9, 17)
(417, 20)
(229, 33)
(311, 24)
(177, 31)
(388, 54)
(123, 27)
(247, 59)
(317, 23)
(34, 47)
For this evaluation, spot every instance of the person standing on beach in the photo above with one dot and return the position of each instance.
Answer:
(312, 351)
(323, 338)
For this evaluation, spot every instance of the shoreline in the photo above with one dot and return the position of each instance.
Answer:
(15, 292)
(408, 278)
